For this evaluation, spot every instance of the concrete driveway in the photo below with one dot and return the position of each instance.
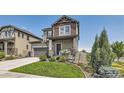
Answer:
(10, 64)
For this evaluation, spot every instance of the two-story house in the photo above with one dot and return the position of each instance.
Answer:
(63, 34)
(16, 41)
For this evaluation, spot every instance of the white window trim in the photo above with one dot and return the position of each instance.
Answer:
(49, 33)
(64, 30)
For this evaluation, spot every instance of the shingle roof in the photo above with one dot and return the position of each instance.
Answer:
(64, 16)
(47, 29)
(22, 30)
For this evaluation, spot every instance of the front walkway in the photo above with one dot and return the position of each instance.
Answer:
(10, 64)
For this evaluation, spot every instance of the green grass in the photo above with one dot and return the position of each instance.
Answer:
(119, 66)
(51, 69)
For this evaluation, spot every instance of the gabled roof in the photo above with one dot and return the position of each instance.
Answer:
(65, 17)
(22, 30)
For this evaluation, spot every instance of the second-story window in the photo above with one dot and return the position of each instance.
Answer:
(27, 37)
(18, 34)
(22, 35)
(64, 30)
(6, 34)
(49, 33)
(9, 33)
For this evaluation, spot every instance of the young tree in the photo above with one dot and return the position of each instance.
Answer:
(101, 54)
(95, 54)
(105, 49)
(118, 49)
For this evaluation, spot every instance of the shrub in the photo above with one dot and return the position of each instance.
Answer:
(52, 59)
(57, 58)
(10, 57)
(2, 55)
(43, 57)
(62, 59)
(80, 64)
(106, 72)
(88, 57)
(65, 52)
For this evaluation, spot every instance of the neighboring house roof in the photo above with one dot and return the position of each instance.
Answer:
(47, 29)
(62, 37)
(67, 17)
(22, 30)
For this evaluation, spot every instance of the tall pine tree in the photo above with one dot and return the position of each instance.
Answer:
(101, 54)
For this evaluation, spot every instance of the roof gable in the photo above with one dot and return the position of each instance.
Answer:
(20, 29)
(64, 19)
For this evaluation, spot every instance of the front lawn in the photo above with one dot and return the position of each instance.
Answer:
(51, 69)
(120, 67)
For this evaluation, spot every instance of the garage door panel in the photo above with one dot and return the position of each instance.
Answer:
(40, 51)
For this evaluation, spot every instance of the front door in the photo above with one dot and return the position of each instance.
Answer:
(58, 48)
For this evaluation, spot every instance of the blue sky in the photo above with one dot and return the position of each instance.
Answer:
(89, 26)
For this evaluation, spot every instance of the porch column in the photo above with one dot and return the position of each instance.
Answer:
(50, 48)
(5, 47)
(32, 52)
(75, 43)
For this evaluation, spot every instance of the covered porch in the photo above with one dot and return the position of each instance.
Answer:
(8, 46)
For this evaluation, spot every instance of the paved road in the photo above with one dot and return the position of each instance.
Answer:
(121, 59)
(10, 64)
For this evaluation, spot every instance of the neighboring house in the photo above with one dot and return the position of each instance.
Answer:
(63, 34)
(16, 41)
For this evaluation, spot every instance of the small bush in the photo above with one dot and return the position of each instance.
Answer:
(43, 57)
(57, 58)
(80, 64)
(52, 59)
(106, 72)
(10, 57)
(2, 55)
(62, 59)
(88, 57)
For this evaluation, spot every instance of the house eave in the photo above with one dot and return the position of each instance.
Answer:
(62, 37)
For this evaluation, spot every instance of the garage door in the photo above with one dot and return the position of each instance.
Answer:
(40, 51)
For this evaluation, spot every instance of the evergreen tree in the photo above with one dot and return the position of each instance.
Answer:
(101, 54)
(95, 53)
(105, 49)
